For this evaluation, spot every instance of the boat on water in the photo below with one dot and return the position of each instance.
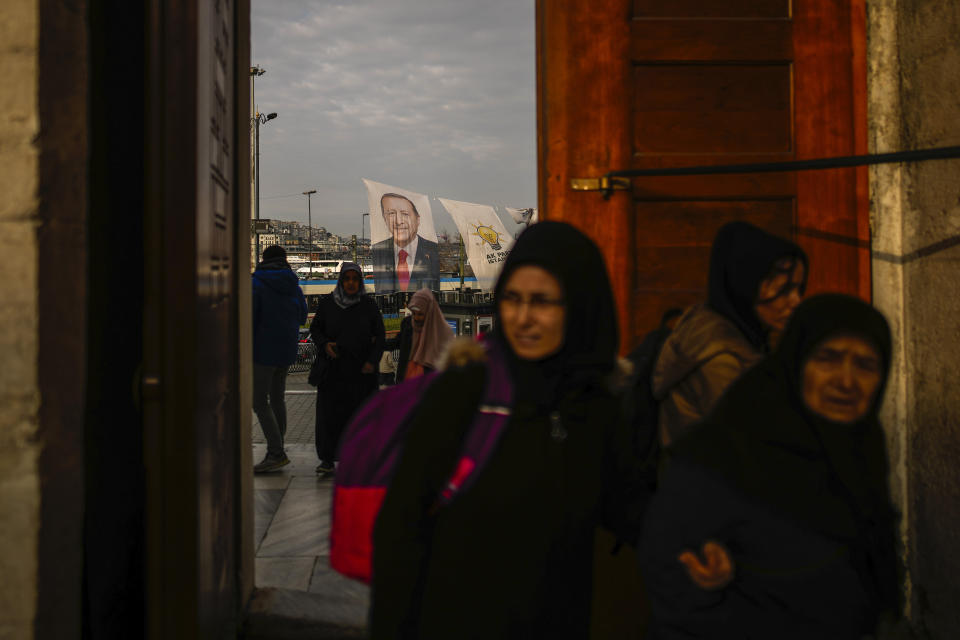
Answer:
(326, 270)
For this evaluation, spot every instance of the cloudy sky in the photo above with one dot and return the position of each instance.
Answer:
(434, 96)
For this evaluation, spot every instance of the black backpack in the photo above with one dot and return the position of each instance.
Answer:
(641, 408)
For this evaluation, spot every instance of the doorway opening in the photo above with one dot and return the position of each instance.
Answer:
(435, 97)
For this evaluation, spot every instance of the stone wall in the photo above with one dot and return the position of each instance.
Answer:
(914, 102)
(19, 388)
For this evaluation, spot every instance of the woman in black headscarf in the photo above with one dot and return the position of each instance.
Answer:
(512, 556)
(774, 518)
(348, 333)
(756, 280)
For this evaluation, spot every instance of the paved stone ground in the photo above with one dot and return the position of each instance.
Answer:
(291, 522)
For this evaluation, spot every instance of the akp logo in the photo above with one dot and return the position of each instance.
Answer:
(489, 235)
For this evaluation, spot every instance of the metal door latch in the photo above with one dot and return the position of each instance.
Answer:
(606, 184)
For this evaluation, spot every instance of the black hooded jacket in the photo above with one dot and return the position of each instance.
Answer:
(801, 503)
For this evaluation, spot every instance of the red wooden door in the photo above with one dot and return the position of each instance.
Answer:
(650, 84)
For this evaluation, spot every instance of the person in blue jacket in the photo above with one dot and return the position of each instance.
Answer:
(279, 309)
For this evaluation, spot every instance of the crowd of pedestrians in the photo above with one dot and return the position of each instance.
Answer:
(756, 498)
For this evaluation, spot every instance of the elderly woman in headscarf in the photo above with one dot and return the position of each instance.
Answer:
(774, 519)
(756, 280)
(348, 332)
(512, 555)
(424, 335)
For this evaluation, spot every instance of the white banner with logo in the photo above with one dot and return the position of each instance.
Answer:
(485, 239)
(523, 216)
(403, 240)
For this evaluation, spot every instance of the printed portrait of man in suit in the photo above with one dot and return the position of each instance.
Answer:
(406, 261)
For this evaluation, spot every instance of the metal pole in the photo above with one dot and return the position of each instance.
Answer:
(256, 209)
(254, 72)
(362, 220)
(461, 267)
(310, 232)
(310, 236)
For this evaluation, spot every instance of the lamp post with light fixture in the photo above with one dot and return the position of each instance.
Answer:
(259, 119)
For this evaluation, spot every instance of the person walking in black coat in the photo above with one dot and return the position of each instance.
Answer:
(347, 330)
(774, 518)
(279, 308)
(512, 555)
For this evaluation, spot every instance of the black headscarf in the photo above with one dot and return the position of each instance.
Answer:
(590, 337)
(826, 476)
(743, 256)
(339, 295)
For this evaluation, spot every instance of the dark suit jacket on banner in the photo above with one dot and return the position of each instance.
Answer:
(425, 272)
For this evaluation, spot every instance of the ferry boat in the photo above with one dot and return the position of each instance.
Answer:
(327, 270)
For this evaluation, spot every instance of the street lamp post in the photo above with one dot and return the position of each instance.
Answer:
(362, 217)
(255, 72)
(310, 232)
(259, 119)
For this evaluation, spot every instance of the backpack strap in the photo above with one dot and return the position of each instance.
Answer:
(491, 417)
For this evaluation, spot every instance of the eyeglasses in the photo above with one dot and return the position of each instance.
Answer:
(511, 301)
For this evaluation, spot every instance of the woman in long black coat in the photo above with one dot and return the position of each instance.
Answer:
(347, 330)
(774, 518)
(512, 556)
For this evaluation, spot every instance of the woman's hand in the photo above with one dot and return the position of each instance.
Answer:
(718, 570)
(331, 349)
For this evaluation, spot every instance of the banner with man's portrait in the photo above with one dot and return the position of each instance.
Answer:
(403, 240)
(485, 239)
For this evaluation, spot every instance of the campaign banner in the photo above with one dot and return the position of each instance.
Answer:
(526, 216)
(485, 239)
(403, 240)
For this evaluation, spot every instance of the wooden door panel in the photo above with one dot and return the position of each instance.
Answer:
(709, 83)
(584, 125)
(672, 268)
(711, 188)
(710, 87)
(191, 337)
(830, 107)
(712, 9)
(691, 40)
(694, 223)
(673, 248)
(701, 108)
(216, 356)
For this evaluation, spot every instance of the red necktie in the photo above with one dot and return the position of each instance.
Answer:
(403, 272)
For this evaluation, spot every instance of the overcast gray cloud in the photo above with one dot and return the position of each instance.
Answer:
(435, 96)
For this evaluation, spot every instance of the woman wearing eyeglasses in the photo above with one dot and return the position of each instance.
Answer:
(756, 280)
(512, 555)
